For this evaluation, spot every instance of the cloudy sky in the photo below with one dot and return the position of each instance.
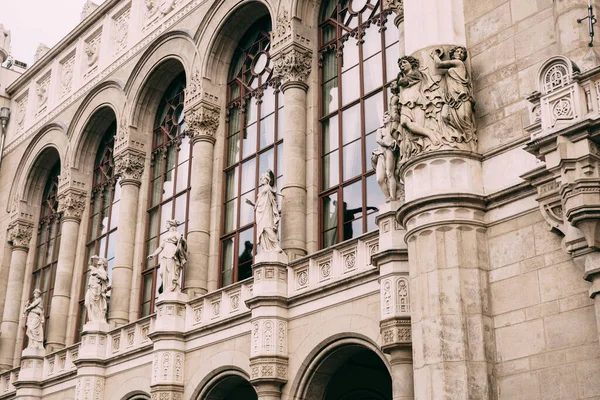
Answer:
(33, 21)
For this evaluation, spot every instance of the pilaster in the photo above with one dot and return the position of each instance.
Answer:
(202, 117)
(269, 347)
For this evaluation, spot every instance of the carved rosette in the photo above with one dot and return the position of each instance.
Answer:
(19, 234)
(395, 333)
(268, 369)
(72, 204)
(293, 65)
(202, 122)
(129, 165)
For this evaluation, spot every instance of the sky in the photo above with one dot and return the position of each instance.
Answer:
(31, 22)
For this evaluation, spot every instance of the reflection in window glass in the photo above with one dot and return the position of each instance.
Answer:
(354, 77)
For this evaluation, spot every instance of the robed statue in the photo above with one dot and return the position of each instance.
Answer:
(173, 257)
(267, 214)
(97, 287)
(34, 311)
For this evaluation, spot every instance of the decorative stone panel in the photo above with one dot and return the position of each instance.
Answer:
(271, 369)
(42, 89)
(89, 388)
(396, 332)
(167, 367)
(120, 30)
(67, 66)
(92, 52)
(269, 337)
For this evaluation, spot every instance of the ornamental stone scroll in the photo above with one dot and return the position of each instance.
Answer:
(129, 165)
(202, 122)
(72, 203)
(293, 65)
(20, 233)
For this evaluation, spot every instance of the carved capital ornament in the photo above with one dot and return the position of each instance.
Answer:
(129, 165)
(20, 233)
(202, 122)
(72, 204)
(293, 66)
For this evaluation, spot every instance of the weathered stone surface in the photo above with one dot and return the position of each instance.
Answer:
(520, 340)
(559, 334)
(514, 293)
(520, 387)
(560, 281)
(511, 247)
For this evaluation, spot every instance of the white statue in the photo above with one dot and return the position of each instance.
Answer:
(385, 158)
(267, 214)
(95, 295)
(173, 257)
(35, 321)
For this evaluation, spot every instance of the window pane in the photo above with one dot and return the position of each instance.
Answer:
(372, 41)
(267, 131)
(171, 157)
(330, 238)
(373, 74)
(279, 162)
(331, 170)
(329, 209)
(350, 86)
(352, 158)
(266, 161)
(370, 145)
(234, 120)
(151, 245)
(391, 61)
(391, 31)
(184, 149)
(168, 185)
(250, 111)
(181, 208)
(165, 214)
(330, 134)
(116, 192)
(157, 167)
(112, 241)
(268, 102)
(147, 295)
(350, 54)
(231, 184)
(233, 149)
(330, 96)
(352, 201)
(353, 229)
(182, 176)
(114, 217)
(280, 124)
(249, 141)
(329, 65)
(373, 112)
(230, 216)
(375, 197)
(246, 210)
(245, 251)
(156, 191)
(248, 175)
(227, 265)
(351, 124)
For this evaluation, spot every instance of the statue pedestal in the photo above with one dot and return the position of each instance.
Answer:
(170, 312)
(270, 275)
(32, 365)
(93, 340)
(391, 234)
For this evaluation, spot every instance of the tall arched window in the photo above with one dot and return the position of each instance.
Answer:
(48, 242)
(104, 213)
(169, 182)
(358, 49)
(254, 144)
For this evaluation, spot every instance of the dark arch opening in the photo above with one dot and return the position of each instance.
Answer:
(350, 372)
(231, 387)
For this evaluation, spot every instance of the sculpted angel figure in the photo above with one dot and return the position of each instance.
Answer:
(457, 111)
(35, 321)
(385, 157)
(97, 286)
(267, 214)
(173, 257)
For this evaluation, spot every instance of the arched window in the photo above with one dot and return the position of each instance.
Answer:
(48, 243)
(254, 144)
(104, 213)
(358, 50)
(169, 182)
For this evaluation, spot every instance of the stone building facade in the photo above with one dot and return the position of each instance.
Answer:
(477, 280)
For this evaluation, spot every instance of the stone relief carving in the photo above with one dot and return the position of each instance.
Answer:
(267, 214)
(173, 251)
(202, 122)
(42, 93)
(294, 65)
(34, 311)
(4, 38)
(66, 77)
(194, 87)
(129, 165)
(430, 108)
(92, 50)
(151, 8)
(19, 234)
(121, 25)
(21, 111)
(41, 51)
(396, 6)
(72, 204)
(97, 287)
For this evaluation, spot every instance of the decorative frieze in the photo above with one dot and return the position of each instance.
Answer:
(129, 165)
(396, 332)
(72, 203)
(19, 233)
(270, 369)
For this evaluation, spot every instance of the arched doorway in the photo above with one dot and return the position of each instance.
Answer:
(230, 387)
(347, 370)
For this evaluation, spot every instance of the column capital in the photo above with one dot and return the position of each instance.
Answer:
(71, 202)
(397, 6)
(20, 233)
(292, 66)
(129, 165)
(202, 121)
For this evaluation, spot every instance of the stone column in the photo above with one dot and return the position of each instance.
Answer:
(292, 65)
(71, 203)
(397, 7)
(202, 121)
(19, 235)
(129, 166)
(268, 346)
(395, 323)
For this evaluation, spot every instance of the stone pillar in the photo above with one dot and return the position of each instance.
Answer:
(397, 7)
(395, 323)
(129, 166)
(168, 358)
(268, 346)
(29, 384)
(292, 65)
(202, 121)
(90, 362)
(71, 203)
(19, 235)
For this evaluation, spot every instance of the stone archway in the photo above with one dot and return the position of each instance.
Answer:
(230, 387)
(347, 372)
